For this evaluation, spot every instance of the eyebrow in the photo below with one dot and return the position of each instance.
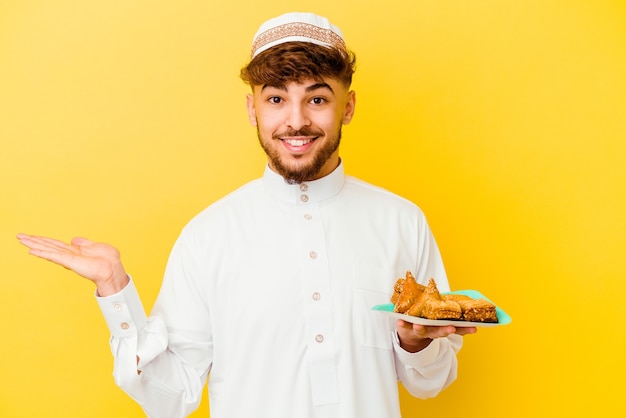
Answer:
(317, 86)
(308, 89)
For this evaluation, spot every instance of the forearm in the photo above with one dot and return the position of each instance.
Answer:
(166, 387)
(427, 372)
(417, 346)
(150, 363)
(114, 285)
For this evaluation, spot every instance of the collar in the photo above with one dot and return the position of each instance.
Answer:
(306, 192)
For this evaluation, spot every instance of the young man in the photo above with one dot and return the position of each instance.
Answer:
(268, 292)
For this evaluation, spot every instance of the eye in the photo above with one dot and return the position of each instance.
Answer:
(318, 100)
(274, 100)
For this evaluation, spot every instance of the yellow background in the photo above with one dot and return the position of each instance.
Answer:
(505, 120)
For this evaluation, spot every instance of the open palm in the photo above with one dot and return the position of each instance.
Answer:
(96, 261)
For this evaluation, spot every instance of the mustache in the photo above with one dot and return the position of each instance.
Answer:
(299, 132)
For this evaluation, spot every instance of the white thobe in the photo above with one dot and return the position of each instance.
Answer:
(268, 292)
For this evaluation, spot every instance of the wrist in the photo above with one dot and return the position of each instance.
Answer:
(416, 345)
(114, 285)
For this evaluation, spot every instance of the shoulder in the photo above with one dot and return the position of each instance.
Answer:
(378, 196)
(226, 206)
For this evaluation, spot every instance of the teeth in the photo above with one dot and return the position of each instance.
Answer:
(297, 142)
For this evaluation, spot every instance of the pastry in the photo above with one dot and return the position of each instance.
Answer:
(478, 310)
(441, 309)
(412, 298)
(455, 297)
(397, 289)
(410, 292)
(418, 306)
(431, 305)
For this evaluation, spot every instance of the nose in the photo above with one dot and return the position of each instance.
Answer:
(297, 117)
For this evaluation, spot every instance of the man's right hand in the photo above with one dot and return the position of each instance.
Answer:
(98, 262)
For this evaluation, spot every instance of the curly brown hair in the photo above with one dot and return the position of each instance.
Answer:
(299, 61)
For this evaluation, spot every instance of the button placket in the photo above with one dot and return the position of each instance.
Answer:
(317, 309)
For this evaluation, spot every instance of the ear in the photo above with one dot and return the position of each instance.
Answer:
(251, 109)
(348, 112)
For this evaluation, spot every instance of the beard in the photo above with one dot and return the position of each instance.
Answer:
(301, 171)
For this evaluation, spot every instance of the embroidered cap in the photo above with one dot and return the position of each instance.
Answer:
(289, 27)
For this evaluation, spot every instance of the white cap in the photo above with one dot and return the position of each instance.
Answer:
(306, 27)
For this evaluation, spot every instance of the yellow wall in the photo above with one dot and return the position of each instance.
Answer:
(505, 120)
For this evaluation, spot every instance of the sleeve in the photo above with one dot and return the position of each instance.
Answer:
(174, 360)
(428, 372)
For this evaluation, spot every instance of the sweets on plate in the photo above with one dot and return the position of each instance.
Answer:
(412, 298)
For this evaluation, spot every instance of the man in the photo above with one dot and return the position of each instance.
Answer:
(268, 291)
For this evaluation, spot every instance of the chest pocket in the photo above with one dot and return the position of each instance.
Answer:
(372, 286)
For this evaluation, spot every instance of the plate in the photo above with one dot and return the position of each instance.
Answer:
(503, 317)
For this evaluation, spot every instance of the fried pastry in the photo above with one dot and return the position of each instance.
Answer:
(397, 289)
(409, 293)
(429, 304)
(441, 309)
(478, 310)
(418, 306)
(431, 290)
(455, 297)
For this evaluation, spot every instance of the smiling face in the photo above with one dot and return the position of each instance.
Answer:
(299, 125)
